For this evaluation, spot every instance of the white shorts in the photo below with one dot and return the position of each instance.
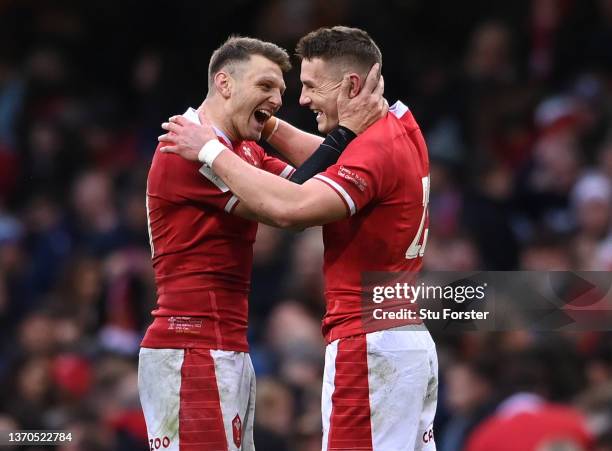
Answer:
(380, 392)
(197, 399)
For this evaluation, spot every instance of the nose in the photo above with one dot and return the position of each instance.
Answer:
(276, 101)
(304, 98)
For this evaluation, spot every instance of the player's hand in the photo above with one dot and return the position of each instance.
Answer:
(186, 138)
(361, 111)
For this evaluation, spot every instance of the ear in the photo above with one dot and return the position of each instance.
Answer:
(355, 85)
(223, 84)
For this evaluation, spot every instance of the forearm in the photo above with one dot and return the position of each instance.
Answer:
(326, 154)
(295, 145)
(271, 199)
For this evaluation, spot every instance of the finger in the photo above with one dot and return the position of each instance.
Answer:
(345, 86)
(168, 137)
(171, 126)
(181, 120)
(371, 81)
(385, 107)
(169, 149)
(380, 87)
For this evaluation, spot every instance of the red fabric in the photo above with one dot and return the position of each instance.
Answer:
(133, 422)
(381, 171)
(72, 373)
(200, 418)
(531, 430)
(202, 255)
(350, 427)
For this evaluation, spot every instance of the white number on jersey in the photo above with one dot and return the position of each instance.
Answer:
(417, 250)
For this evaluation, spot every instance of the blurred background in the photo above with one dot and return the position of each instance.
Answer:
(514, 99)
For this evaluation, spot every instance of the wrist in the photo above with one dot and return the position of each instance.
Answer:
(270, 128)
(350, 134)
(210, 151)
(349, 128)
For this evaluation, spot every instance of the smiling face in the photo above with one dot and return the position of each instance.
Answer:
(257, 87)
(321, 82)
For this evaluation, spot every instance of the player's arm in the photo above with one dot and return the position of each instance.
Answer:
(275, 201)
(270, 199)
(295, 145)
(328, 204)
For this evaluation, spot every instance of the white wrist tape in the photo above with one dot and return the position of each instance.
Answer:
(210, 151)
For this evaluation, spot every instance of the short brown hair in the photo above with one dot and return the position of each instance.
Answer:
(239, 49)
(352, 45)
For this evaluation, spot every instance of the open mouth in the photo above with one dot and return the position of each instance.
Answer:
(262, 116)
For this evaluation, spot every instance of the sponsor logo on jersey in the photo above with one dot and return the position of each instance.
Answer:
(353, 177)
(185, 324)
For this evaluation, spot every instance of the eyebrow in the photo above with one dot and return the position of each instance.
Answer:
(266, 79)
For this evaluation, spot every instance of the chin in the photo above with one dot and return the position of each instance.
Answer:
(323, 128)
(252, 135)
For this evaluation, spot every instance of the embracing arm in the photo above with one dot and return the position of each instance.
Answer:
(276, 201)
(295, 145)
(264, 197)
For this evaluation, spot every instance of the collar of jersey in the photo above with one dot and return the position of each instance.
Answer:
(192, 115)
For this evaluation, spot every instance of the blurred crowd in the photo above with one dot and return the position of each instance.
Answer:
(515, 100)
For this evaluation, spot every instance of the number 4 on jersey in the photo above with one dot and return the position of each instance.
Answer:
(417, 250)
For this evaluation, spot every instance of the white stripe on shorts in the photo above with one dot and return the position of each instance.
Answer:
(329, 376)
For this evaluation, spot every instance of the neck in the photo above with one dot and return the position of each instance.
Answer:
(213, 110)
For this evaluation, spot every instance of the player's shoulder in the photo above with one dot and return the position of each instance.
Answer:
(170, 162)
(398, 122)
(169, 172)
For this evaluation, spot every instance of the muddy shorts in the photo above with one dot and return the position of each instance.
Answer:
(380, 391)
(197, 399)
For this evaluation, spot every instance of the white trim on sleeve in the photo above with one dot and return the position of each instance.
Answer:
(286, 173)
(347, 198)
(230, 204)
(214, 178)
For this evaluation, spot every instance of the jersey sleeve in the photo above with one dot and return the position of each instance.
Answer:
(213, 191)
(275, 165)
(267, 163)
(181, 181)
(358, 176)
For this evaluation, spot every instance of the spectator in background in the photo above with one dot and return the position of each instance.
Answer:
(470, 397)
(527, 419)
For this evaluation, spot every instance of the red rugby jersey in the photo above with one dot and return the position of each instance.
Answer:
(202, 254)
(383, 178)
